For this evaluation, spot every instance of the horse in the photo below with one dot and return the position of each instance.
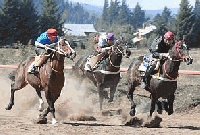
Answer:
(50, 78)
(106, 75)
(164, 84)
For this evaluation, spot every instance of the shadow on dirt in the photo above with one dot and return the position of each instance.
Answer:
(187, 127)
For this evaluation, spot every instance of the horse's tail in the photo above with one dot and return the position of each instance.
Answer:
(20, 69)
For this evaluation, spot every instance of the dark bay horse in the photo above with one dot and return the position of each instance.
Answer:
(163, 86)
(106, 75)
(50, 78)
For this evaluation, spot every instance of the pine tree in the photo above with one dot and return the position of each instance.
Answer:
(27, 25)
(124, 13)
(50, 16)
(195, 30)
(184, 20)
(166, 17)
(138, 16)
(10, 18)
(105, 13)
(160, 25)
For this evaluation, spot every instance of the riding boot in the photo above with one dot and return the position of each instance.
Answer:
(39, 60)
(147, 76)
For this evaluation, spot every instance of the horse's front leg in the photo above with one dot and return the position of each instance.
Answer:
(130, 97)
(159, 104)
(170, 104)
(112, 93)
(153, 103)
(41, 106)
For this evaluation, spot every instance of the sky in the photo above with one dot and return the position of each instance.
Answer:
(144, 4)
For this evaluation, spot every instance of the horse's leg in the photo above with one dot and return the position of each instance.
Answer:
(112, 93)
(170, 103)
(130, 97)
(159, 104)
(153, 103)
(41, 106)
(51, 107)
(15, 85)
(100, 91)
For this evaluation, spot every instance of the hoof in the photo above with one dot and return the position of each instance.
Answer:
(111, 100)
(41, 121)
(170, 112)
(41, 109)
(9, 107)
(159, 111)
(132, 113)
(165, 104)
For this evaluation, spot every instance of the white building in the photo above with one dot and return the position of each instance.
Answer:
(78, 29)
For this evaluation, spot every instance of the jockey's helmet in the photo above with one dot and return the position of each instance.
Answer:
(110, 36)
(52, 32)
(169, 35)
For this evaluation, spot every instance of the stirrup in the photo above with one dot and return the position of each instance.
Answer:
(88, 67)
(34, 70)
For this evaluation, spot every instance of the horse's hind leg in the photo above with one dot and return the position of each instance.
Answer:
(15, 85)
(130, 97)
(170, 104)
(100, 91)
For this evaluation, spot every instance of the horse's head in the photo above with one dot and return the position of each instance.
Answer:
(180, 51)
(123, 48)
(65, 49)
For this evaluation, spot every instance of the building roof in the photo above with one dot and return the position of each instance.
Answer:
(142, 32)
(78, 29)
(146, 30)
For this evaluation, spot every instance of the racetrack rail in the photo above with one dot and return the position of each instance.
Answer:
(122, 69)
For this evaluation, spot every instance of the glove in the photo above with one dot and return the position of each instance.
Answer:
(46, 47)
(163, 55)
(107, 48)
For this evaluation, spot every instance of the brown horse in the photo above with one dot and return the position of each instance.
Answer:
(50, 78)
(107, 74)
(163, 86)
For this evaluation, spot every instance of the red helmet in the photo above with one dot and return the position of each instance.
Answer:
(169, 35)
(52, 32)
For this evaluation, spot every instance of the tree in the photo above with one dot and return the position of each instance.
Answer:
(160, 25)
(138, 16)
(105, 17)
(195, 31)
(50, 16)
(27, 25)
(9, 20)
(185, 20)
(163, 22)
(124, 13)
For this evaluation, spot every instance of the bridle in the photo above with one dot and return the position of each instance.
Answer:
(117, 51)
(60, 51)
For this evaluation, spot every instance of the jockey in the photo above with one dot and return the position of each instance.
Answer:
(46, 38)
(159, 50)
(102, 45)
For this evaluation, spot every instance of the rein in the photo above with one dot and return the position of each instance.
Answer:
(111, 60)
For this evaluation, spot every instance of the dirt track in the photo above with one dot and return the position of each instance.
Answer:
(20, 119)
(74, 103)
